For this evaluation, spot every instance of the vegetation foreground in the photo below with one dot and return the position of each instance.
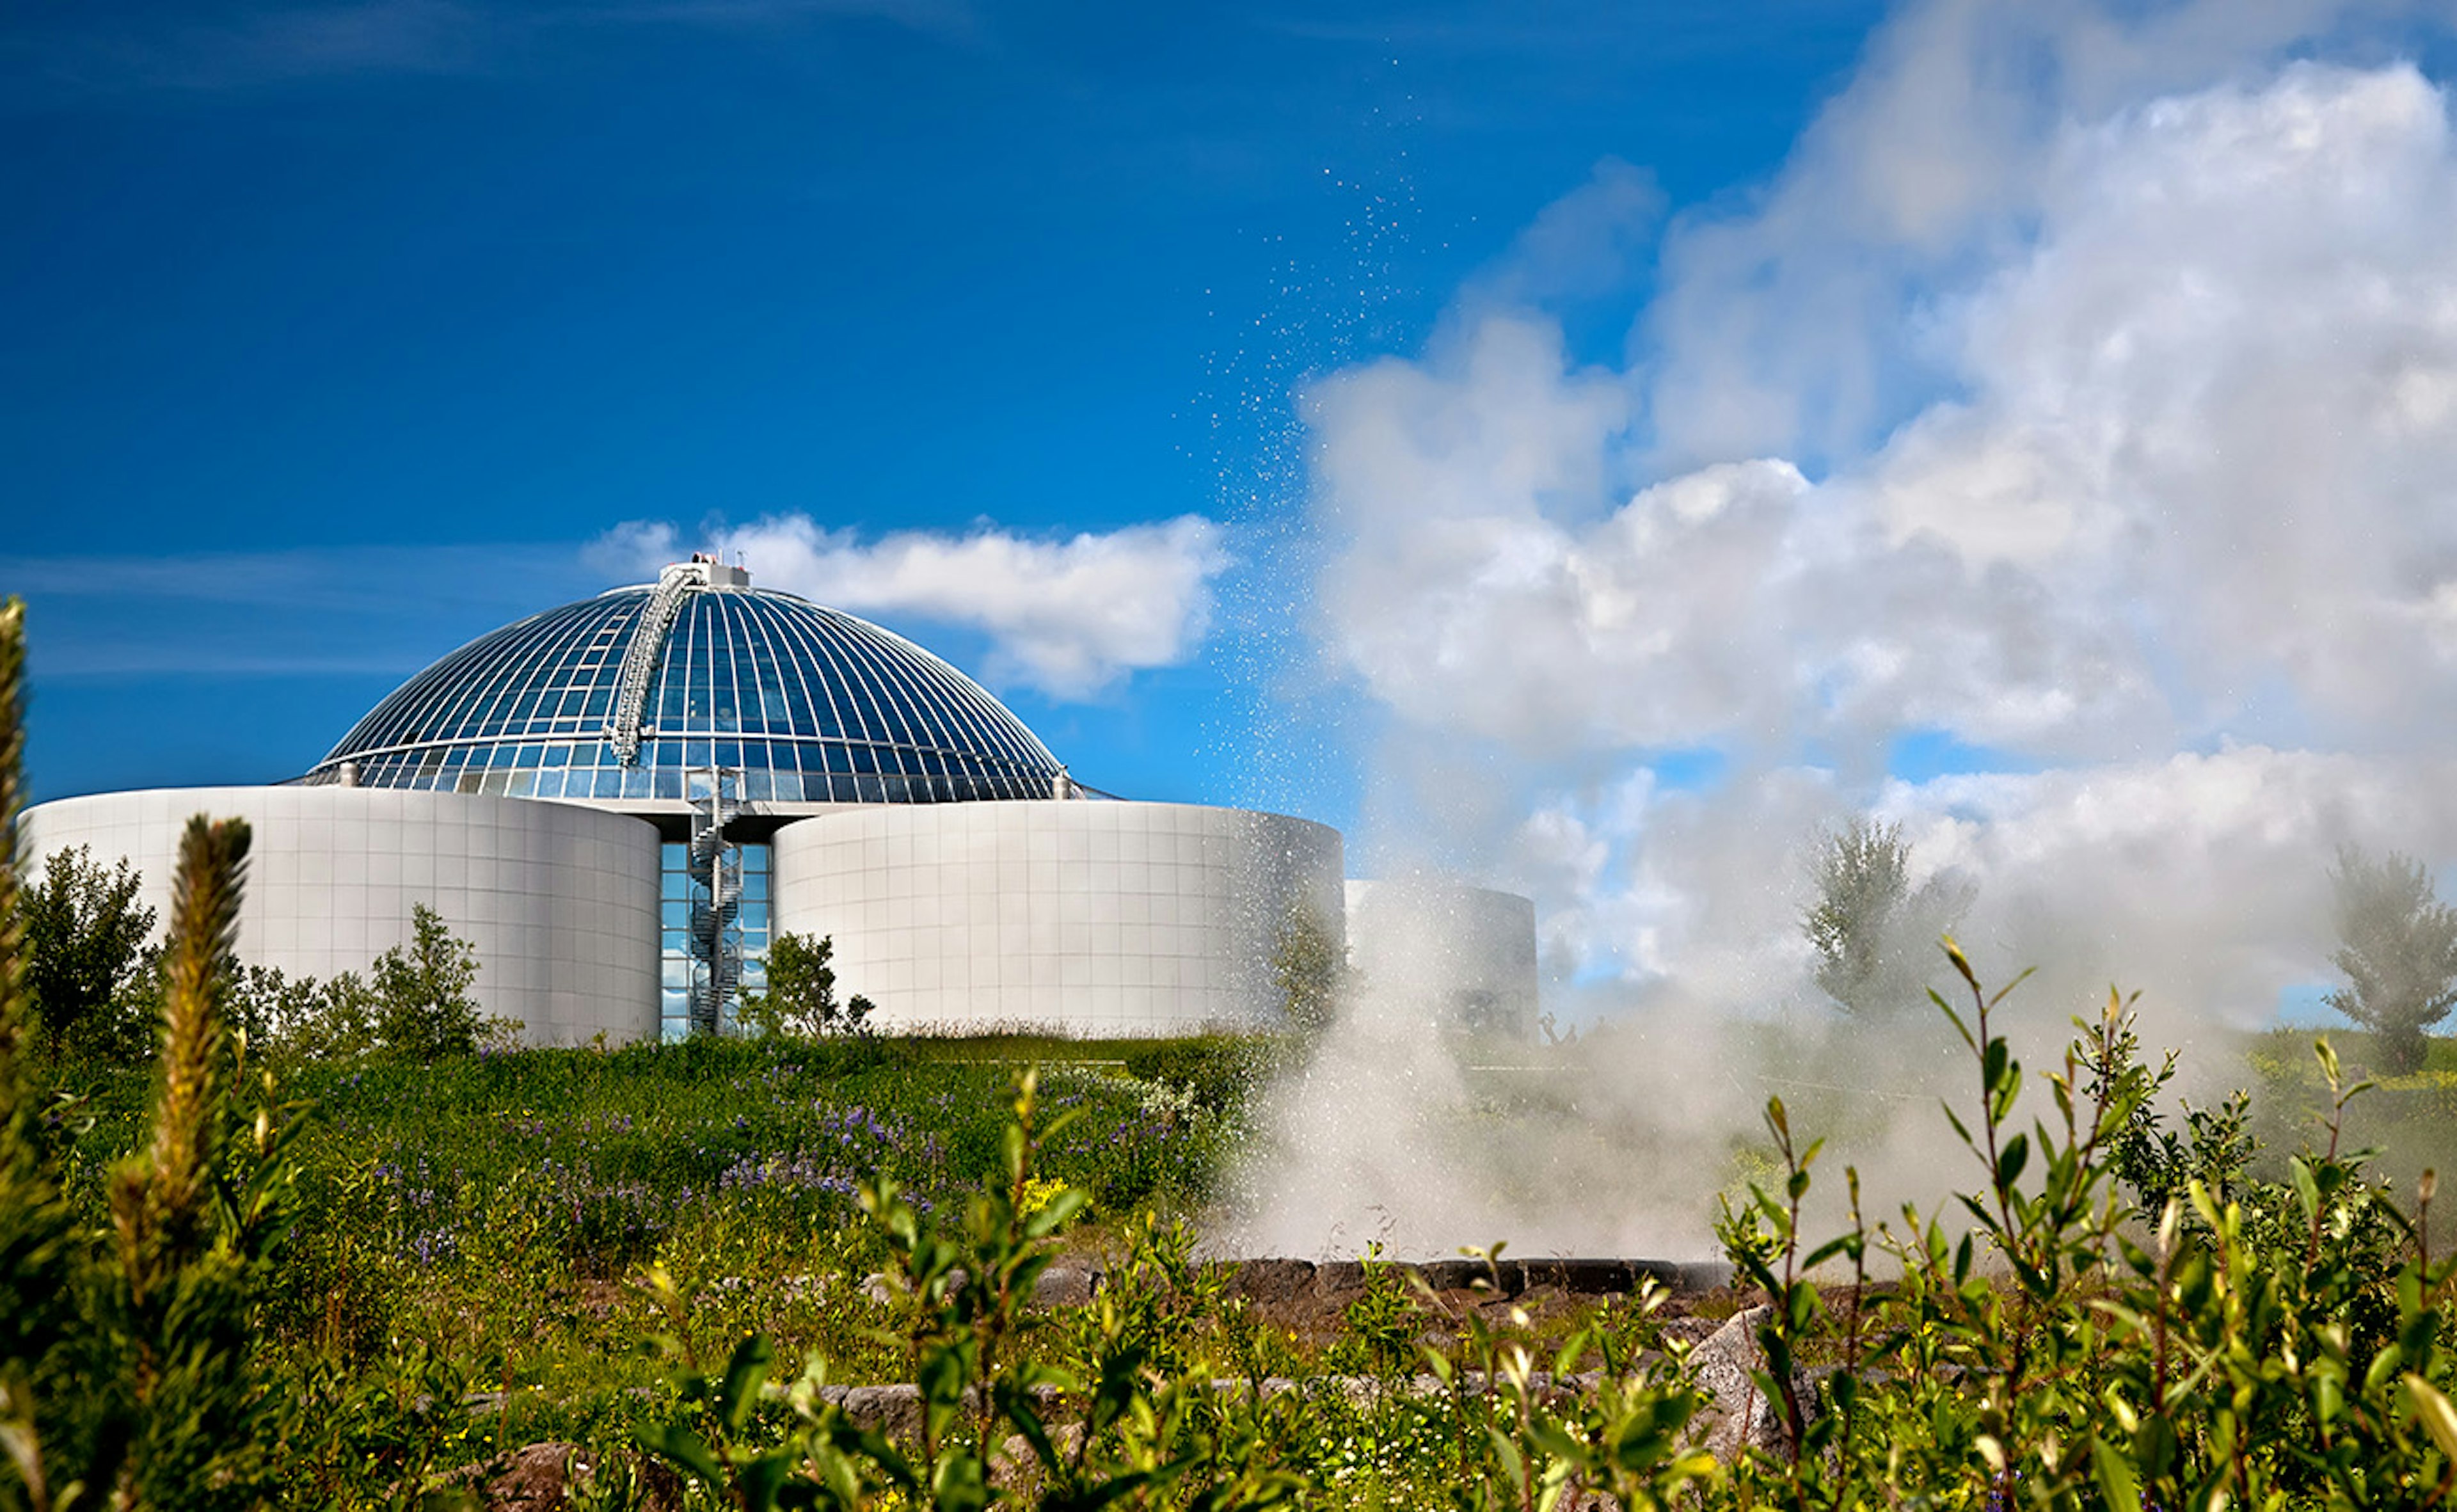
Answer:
(365, 1284)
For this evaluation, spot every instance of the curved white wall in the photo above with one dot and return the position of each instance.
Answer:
(1101, 918)
(559, 900)
(1467, 953)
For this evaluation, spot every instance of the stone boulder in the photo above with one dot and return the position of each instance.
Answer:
(1740, 1415)
(1270, 1281)
(1065, 1284)
(540, 1477)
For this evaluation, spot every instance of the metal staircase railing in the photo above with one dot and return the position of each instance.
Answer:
(647, 648)
(716, 870)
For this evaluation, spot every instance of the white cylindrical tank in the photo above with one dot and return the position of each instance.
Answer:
(559, 900)
(1468, 952)
(1092, 916)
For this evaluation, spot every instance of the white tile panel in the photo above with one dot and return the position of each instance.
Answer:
(1097, 916)
(559, 899)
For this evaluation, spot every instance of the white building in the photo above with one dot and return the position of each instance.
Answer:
(620, 800)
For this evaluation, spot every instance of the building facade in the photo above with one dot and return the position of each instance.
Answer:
(621, 801)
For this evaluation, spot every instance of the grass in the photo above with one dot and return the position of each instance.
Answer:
(476, 1229)
(488, 1212)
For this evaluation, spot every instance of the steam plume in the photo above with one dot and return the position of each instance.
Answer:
(2077, 405)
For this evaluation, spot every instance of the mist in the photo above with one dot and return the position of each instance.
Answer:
(2052, 459)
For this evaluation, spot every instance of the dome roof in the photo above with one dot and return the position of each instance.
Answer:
(617, 697)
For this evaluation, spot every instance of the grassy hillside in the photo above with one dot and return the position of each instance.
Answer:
(479, 1230)
(487, 1212)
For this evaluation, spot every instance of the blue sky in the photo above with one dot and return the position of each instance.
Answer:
(1585, 445)
(377, 289)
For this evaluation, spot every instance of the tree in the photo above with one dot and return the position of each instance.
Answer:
(85, 957)
(329, 1019)
(2398, 948)
(1311, 968)
(801, 995)
(1874, 932)
(422, 1007)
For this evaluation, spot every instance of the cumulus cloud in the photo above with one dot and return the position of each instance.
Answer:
(1069, 617)
(1799, 327)
(2083, 394)
(2190, 481)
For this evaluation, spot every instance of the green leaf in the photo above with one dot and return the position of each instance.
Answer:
(2437, 1417)
(1507, 1453)
(1055, 1215)
(1947, 1009)
(1551, 1437)
(2116, 1479)
(2011, 1160)
(743, 1373)
(684, 1449)
(941, 1377)
(763, 1478)
(2306, 1187)
(2154, 1447)
(2329, 1398)
(2384, 1365)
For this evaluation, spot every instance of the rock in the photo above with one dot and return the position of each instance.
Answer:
(1579, 1278)
(1458, 1275)
(884, 1289)
(1065, 1286)
(1017, 1468)
(1683, 1276)
(894, 1410)
(1334, 1279)
(539, 1478)
(1271, 1280)
(1741, 1416)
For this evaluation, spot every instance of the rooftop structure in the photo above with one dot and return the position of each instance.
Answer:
(624, 800)
(618, 696)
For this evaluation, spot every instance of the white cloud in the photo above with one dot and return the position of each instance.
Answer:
(2197, 455)
(1069, 617)
(1799, 327)
(2084, 388)
(2170, 475)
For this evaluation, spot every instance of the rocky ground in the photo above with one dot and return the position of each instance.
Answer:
(1308, 1300)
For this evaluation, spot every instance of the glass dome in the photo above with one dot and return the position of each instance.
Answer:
(619, 696)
